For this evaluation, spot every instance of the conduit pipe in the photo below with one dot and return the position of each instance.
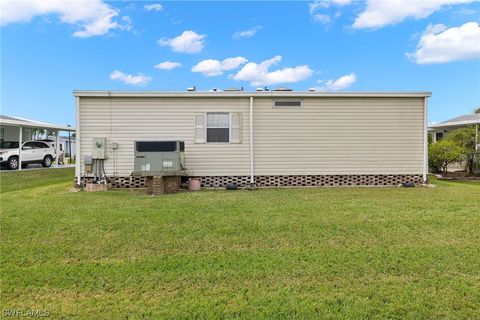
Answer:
(78, 168)
(425, 140)
(252, 172)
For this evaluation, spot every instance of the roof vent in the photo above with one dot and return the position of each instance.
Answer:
(312, 89)
(282, 89)
(259, 89)
(232, 89)
(194, 88)
(214, 90)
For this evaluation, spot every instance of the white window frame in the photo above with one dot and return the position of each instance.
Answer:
(229, 127)
(274, 106)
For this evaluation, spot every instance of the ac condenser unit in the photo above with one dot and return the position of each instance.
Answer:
(159, 158)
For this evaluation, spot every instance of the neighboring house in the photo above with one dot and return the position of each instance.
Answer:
(66, 145)
(299, 138)
(439, 130)
(17, 129)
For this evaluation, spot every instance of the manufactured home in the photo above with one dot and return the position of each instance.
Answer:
(261, 138)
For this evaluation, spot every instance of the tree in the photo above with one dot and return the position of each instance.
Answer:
(477, 110)
(465, 137)
(444, 152)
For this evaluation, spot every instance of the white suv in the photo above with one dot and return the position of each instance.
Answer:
(32, 152)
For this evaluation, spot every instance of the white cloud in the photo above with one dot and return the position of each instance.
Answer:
(259, 74)
(247, 33)
(339, 84)
(322, 18)
(136, 80)
(153, 7)
(187, 42)
(168, 65)
(380, 13)
(440, 45)
(319, 4)
(324, 5)
(91, 18)
(211, 67)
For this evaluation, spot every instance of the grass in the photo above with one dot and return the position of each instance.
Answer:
(25, 179)
(371, 253)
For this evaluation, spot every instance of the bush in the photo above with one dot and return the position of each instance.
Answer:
(444, 152)
(465, 137)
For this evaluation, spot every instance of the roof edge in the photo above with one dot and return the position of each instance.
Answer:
(173, 94)
(35, 125)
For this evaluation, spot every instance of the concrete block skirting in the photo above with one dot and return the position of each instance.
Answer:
(173, 183)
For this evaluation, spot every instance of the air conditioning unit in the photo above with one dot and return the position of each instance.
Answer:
(159, 158)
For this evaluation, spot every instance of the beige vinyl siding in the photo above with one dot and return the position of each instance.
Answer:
(339, 136)
(124, 120)
(328, 135)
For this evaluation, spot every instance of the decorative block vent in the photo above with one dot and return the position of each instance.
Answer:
(281, 181)
(121, 182)
(310, 180)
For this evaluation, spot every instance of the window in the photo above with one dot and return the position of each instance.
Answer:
(282, 104)
(9, 145)
(28, 145)
(218, 127)
(39, 145)
(438, 136)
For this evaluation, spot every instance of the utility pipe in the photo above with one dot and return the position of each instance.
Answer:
(252, 173)
(78, 157)
(425, 140)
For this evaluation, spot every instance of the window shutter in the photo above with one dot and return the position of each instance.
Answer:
(200, 128)
(236, 127)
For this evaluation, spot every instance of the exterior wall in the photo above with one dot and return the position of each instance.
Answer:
(10, 133)
(124, 120)
(328, 136)
(339, 136)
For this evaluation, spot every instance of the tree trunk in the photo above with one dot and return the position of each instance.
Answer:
(470, 166)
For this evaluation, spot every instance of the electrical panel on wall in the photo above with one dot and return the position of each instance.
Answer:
(99, 148)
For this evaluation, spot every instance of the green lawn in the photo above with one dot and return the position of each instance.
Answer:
(276, 253)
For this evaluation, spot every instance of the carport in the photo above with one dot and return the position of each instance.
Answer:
(13, 128)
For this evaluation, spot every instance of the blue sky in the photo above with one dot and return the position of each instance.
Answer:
(47, 51)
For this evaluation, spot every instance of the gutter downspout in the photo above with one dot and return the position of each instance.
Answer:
(252, 172)
(77, 142)
(425, 140)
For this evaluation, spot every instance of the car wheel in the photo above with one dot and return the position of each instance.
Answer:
(47, 161)
(12, 163)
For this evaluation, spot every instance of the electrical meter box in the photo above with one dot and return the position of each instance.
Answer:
(99, 148)
(159, 158)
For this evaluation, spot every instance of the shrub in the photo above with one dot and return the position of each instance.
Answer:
(444, 152)
(465, 137)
